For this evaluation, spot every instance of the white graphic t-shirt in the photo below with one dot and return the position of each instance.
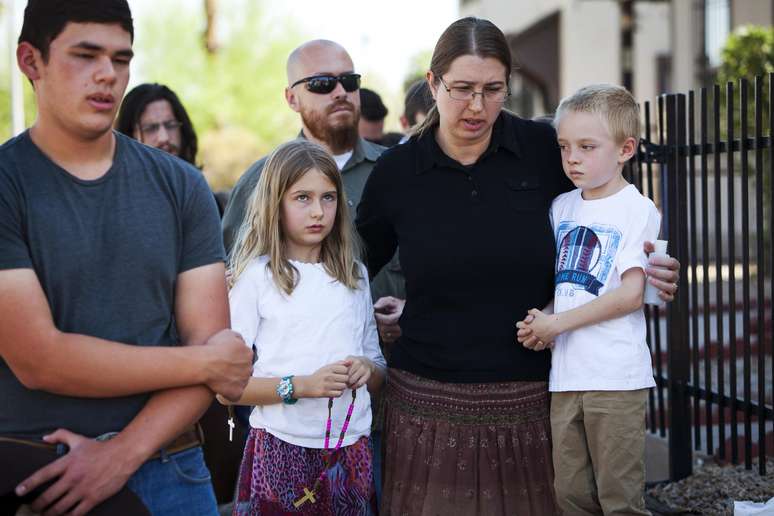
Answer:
(597, 241)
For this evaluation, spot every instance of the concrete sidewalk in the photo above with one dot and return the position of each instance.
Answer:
(656, 458)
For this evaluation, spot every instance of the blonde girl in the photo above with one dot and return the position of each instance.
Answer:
(301, 298)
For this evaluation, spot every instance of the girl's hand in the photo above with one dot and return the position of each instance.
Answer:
(329, 381)
(222, 400)
(360, 369)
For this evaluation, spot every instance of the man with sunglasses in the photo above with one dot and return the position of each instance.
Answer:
(325, 90)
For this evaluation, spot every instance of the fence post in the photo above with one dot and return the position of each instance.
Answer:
(678, 354)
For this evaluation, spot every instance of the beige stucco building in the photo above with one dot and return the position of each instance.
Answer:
(561, 45)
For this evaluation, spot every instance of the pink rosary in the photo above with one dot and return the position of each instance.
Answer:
(309, 495)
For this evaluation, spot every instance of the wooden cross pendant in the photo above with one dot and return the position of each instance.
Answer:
(308, 496)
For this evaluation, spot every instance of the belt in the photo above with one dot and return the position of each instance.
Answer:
(190, 438)
(28, 442)
(59, 448)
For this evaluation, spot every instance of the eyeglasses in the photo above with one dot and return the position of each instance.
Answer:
(151, 129)
(327, 83)
(467, 93)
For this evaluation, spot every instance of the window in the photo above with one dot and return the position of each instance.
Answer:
(717, 23)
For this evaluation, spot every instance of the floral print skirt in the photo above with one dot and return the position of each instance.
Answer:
(274, 474)
(467, 449)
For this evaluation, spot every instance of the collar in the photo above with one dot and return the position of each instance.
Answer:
(363, 151)
(505, 134)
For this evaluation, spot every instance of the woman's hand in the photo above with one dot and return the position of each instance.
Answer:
(387, 311)
(329, 381)
(360, 370)
(663, 273)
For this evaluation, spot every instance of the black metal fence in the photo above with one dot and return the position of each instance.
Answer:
(708, 165)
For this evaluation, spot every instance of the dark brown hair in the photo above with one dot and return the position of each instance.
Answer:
(465, 37)
(44, 20)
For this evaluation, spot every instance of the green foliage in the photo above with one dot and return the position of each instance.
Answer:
(748, 52)
(5, 105)
(418, 67)
(235, 96)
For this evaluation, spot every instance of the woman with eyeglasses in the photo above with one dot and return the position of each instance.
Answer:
(466, 200)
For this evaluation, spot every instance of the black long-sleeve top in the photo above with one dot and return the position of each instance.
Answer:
(476, 247)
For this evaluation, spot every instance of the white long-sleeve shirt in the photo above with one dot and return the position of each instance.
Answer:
(321, 322)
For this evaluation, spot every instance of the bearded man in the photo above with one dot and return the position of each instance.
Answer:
(325, 90)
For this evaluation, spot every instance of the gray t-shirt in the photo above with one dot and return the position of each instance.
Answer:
(107, 253)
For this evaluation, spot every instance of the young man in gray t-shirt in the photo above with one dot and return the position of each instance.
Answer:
(111, 261)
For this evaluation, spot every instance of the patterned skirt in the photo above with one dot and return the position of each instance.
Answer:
(466, 449)
(274, 474)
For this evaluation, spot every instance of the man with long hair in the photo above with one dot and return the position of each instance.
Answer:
(153, 114)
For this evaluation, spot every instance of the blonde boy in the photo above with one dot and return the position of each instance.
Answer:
(601, 367)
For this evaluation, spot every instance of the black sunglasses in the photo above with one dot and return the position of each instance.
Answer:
(327, 83)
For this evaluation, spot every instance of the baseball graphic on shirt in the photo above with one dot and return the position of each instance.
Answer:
(585, 255)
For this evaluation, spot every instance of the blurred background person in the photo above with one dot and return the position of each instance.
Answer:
(152, 114)
(416, 105)
(372, 115)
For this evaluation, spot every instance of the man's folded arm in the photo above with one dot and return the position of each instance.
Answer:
(44, 358)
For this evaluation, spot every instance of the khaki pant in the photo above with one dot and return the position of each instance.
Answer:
(598, 451)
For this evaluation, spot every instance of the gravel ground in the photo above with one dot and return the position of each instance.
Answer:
(712, 490)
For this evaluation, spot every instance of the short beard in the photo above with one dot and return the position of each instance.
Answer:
(339, 139)
(170, 148)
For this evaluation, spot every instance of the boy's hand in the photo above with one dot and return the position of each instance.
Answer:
(538, 330)
(525, 336)
(91, 472)
(229, 364)
(329, 381)
(544, 327)
(524, 332)
(360, 369)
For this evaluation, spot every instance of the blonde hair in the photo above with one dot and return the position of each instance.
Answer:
(261, 232)
(616, 106)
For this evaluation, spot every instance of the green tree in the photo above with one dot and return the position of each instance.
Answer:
(234, 95)
(419, 64)
(5, 104)
(748, 52)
